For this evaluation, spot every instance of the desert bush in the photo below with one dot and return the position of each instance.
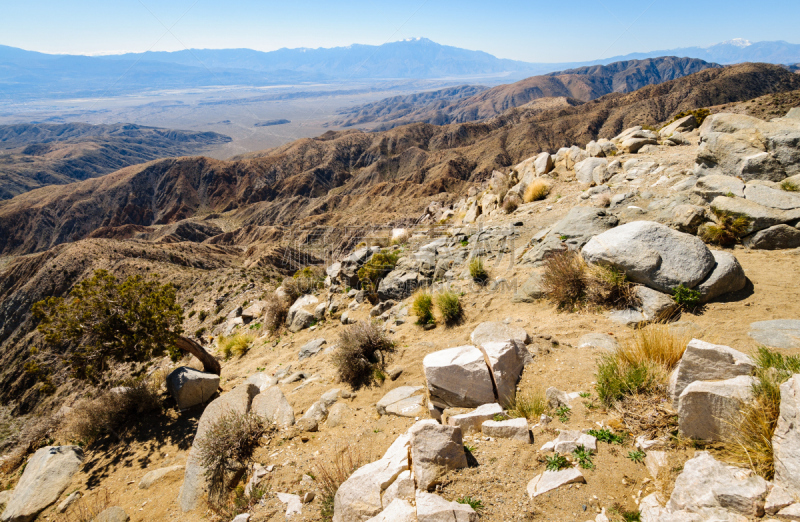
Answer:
(699, 115)
(750, 444)
(201, 316)
(728, 229)
(790, 186)
(112, 411)
(237, 344)
(380, 264)
(362, 353)
(477, 271)
(275, 312)
(529, 404)
(510, 204)
(616, 379)
(422, 307)
(686, 297)
(331, 474)
(227, 447)
(609, 286)
(564, 279)
(449, 305)
(536, 191)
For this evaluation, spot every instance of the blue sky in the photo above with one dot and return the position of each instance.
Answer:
(536, 31)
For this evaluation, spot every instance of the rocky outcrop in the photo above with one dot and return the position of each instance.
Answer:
(727, 276)
(572, 232)
(301, 313)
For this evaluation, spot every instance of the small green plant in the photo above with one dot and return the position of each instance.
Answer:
(556, 462)
(449, 306)
(790, 186)
(584, 457)
(636, 456)
(191, 314)
(607, 436)
(201, 316)
(728, 229)
(199, 332)
(563, 413)
(423, 308)
(585, 395)
(686, 297)
(477, 271)
(469, 449)
(730, 194)
(624, 515)
(464, 242)
(498, 417)
(255, 326)
(474, 503)
(529, 404)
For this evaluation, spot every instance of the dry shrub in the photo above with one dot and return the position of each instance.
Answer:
(237, 344)
(35, 433)
(511, 203)
(227, 448)
(362, 353)
(570, 282)
(401, 238)
(608, 286)
(449, 306)
(536, 191)
(112, 411)
(655, 343)
(275, 313)
(331, 474)
(422, 306)
(529, 404)
(86, 508)
(477, 271)
(728, 230)
(649, 415)
(750, 444)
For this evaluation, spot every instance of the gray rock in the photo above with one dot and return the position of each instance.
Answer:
(47, 474)
(435, 450)
(760, 217)
(531, 290)
(433, 508)
(655, 305)
(770, 197)
(254, 311)
(584, 169)
(410, 274)
(786, 440)
(313, 417)
(311, 348)
(195, 486)
(112, 514)
(273, 406)
(62, 507)
(330, 397)
(411, 407)
(262, 380)
(471, 422)
(573, 232)
(543, 163)
(338, 415)
(458, 377)
(497, 331)
(652, 254)
(346, 319)
(779, 333)
(506, 361)
(550, 480)
(152, 477)
(628, 317)
(709, 187)
(727, 276)
(790, 512)
(302, 320)
(568, 440)
(777, 237)
(190, 387)
(556, 398)
(396, 395)
(703, 361)
(514, 429)
(399, 510)
(706, 408)
(599, 341)
(685, 124)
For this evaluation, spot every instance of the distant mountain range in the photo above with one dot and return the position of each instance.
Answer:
(28, 74)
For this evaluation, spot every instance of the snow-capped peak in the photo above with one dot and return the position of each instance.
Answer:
(739, 42)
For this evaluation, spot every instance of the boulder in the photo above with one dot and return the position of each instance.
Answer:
(433, 508)
(727, 276)
(514, 429)
(330, 397)
(396, 395)
(531, 290)
(47, 474)
(338, 415)
(777, 237)
(707, 483)
(655, 305)
(572, 232)
(112, 514)
(359, 497)
(254, 311)
(556, 398)
(190, 387)
(194, 486)
(313, 417)
(273, 406)
(709, 187)
(410, 274)
(311, 348)
(497, 331)
(543, 163)
(652, 254)
(633, 145)
(706, 408)
(262, 380)
(301, 313)
(786, 439)
(458, 377)
(506, 361)
(770, 197)
(704, 361)
(151, 477)
(568, 440)
(585, 169)
(686, 218)
(471, 422)
(760, 217)
(398, 511)
(435, 450)
(685, 124)
(629, 317)
(402, 488)
(778, 333)
(550, 480)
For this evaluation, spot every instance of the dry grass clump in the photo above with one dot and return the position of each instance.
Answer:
(237, 344)
(449, 305)
(362, 354)
(112, 411)
(510, 204)
(86, 508)
(401, 238)
(477, 271)
(529, 404)
(570, 282)
(330, 474)
(790, 186)
(641, 365)
(750, 444)
(727, 231)
(422, 306)
(275, 313)
(536, 191)
(227, 448)
(35, 433)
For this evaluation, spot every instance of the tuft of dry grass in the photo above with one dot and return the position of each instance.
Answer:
(510, 204)
(362, 354)
(478, 271)
(655, 343)
(237, 344)
(789, 186)
(86, 508)
(536, 191)
(728, 230)
(275, 313)
(332, 473)
(449, 306)
(529, 404)
(563, 279)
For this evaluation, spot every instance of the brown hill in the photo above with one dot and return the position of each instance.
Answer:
(354, 177)
(36, 155)
(572, 86)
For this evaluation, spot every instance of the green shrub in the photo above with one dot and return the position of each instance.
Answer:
(790, 186)
(607, 436)
(199, 332)
(202, 315)
(191, 313)
(363, 349)
(422, 307)
(728, 229)
(237, 344)
(616, 379)
(699, 115)
(477, 271)
(380, 264)
(449, 306)
(584, 457)
(686, 297)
